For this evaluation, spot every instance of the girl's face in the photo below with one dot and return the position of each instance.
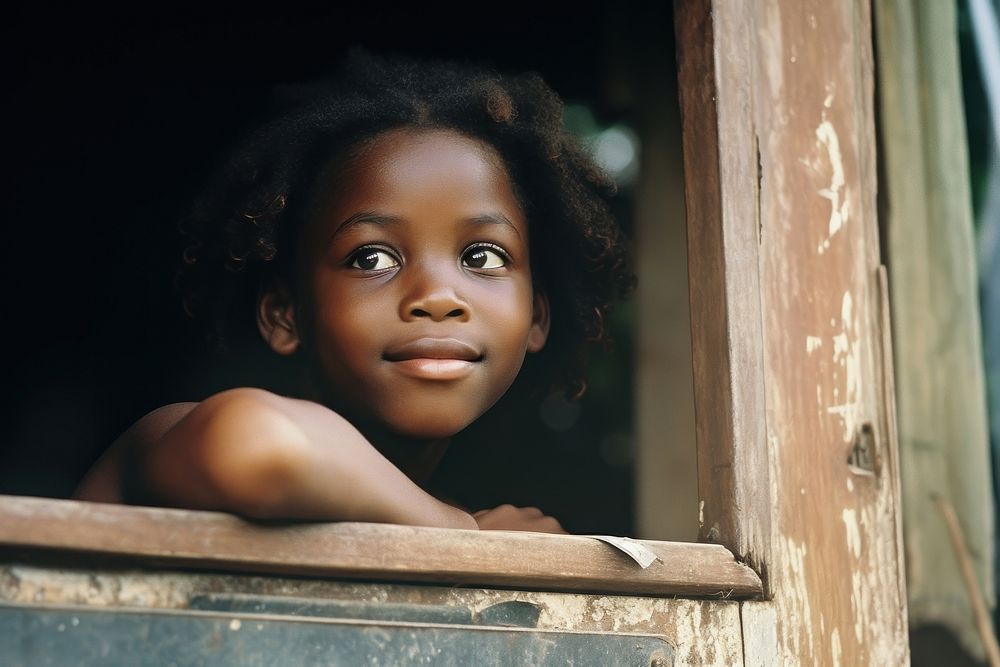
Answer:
(419, 283)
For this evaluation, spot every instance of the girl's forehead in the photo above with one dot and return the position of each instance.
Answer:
(423, 171)
(428, 148)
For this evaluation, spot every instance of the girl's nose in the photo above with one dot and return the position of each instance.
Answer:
(435, 300)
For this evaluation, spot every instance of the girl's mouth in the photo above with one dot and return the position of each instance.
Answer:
(424, 368)
(434, 358)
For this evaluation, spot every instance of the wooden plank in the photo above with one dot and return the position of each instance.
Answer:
(836, 569)
(791, 380)
(721, 171)
(180, 538)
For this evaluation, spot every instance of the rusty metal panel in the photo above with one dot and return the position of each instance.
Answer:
(702, 632)
(509, 614)
(40, 637)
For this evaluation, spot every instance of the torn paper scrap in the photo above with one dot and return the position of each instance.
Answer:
(637, 551)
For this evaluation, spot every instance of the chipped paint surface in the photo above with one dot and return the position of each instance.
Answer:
(847, 365)
(834, 191)
(703, 632)
(799, 607)
(760, 634)
(853, 534)
(835, 571)
(840, 205)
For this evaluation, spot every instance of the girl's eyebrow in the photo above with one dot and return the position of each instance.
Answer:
(364, 217)
(494, 219)
(369, 217)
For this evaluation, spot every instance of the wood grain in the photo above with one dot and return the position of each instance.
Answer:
(836, 571)
(721, 171)
(175, 539)
(779, 142)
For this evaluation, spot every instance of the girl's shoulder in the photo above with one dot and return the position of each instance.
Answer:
(118, 477)
(104, 482)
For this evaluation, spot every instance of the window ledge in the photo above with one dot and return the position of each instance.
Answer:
(178, 539)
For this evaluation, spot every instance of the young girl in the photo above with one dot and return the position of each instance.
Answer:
(406, 236)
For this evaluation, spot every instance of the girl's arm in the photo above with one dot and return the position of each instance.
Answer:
(261, 455)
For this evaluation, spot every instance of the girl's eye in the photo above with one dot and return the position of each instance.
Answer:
(484, 257)
(373, 259)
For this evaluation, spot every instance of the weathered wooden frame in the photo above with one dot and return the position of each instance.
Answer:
(721, 162)
(182, 539)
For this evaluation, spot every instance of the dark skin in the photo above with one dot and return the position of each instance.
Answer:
(414, 306)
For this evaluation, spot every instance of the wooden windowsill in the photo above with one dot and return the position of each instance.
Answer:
(178, 539)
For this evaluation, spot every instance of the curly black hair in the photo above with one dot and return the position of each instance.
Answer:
(241, 231)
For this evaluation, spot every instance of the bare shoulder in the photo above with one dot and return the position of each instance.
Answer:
(107, 479)
(153, 425)
(103, 482)
(182, 454)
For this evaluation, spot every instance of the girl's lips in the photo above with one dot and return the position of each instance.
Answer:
(432, 348)
(434, 358)
(425, 368)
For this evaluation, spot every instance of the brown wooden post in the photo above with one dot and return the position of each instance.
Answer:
(798, 465)
(720, 162)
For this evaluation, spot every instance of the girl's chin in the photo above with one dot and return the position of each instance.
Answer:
(427, 420)
(426, 432)
(416, 427)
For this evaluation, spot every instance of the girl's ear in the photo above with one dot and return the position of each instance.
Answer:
(539, 331)
(276, 319)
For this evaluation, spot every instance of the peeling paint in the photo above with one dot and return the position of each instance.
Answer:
(846, 308)
(840, 345)
(847, 357)
(849, 517)
(813, 343)
(840, 207)
(797, 607)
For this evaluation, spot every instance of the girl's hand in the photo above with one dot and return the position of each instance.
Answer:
(508, 517)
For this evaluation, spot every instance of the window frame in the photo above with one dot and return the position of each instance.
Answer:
(186, 539)
(721, 195)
